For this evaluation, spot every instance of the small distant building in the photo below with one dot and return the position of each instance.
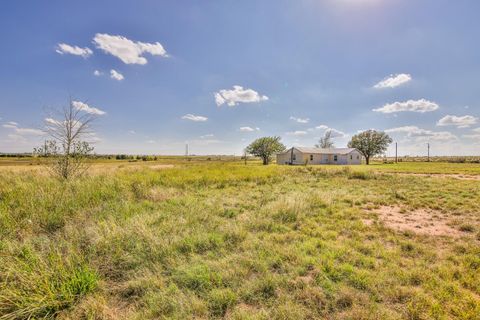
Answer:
(300, 155)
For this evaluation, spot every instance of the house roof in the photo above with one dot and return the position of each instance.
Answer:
(323, 151)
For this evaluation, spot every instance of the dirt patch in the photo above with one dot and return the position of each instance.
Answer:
(419, 221)
(442, 175)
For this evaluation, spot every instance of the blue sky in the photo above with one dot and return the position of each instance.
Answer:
(220, 73)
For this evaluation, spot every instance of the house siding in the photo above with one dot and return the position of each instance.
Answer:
(351, 158)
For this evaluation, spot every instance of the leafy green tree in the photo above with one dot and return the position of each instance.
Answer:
(370, 143)
(265, 147)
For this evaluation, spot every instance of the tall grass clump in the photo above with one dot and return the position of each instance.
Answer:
(36, 286)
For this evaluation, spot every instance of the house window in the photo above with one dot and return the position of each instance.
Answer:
(311, 157)
(335, 158)
(351, 157)
(294, 157)
(358, 157)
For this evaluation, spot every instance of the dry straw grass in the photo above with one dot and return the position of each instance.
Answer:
(221, 240)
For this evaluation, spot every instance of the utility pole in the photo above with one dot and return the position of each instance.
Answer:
(428, 151)
(396, 152)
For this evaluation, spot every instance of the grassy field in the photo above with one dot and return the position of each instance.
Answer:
(217, 239)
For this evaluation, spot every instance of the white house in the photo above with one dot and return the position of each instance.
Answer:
(300, 155)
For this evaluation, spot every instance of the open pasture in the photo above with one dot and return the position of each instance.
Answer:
(200, 239)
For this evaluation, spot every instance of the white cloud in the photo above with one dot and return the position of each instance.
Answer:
(193, 117)
(97, 73)
(300, 120)
(393, 81)
(297, 133)
(237, 95)
(116, 75)
(472, 136)
(421, 106)
(423, 134)
(130, 52)
(132, 131)
(63, 48)
(22, 131)
(15, 138)
(475, 135)
(210, 135)
(335, 133)
(50, 121)
(86, 108)
(460, 122)
(204, 142)
(249, 129)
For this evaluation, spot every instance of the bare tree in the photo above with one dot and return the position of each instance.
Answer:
(66, 147)
(326, 141)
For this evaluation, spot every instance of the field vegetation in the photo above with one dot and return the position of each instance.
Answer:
(203, 238)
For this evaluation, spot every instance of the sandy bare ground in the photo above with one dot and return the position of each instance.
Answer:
(441, 175)
(419, 221)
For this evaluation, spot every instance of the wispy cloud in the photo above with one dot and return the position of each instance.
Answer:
(86, 108)
(128, 51)
(421, 106)
(393, 81)
(249, 129)
(19, 131)
(204, 142)
(460, 122)
(300, 120)
(63, 48)
(116, 75)
(423, 134)
(97, 73)
(472, 136)
(297, 133)
(193, 117)
(334, 132)
(237, 95)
